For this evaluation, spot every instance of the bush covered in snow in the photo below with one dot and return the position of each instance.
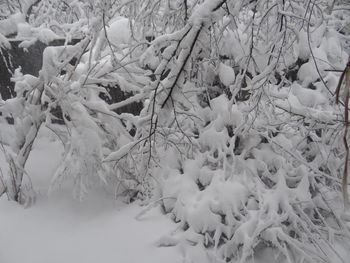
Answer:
(240, 138)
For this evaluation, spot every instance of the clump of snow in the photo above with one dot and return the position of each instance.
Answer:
(334, 50)
(226, 74)
(308, 72)
(204, 11)
(55, 58)
(24, 31)
(9, 25)
(308, 97)
(202, 209)
(119, 31)
(303, 47)
(46, 35)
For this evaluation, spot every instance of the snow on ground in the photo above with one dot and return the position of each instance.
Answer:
(73, 233)
(59, 229)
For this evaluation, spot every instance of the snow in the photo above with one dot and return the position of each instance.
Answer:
(58, 228)
(226, 74)
(119, 31)
(103, 231)
(24, 30)
(8, 26)
(204, 11)
(241, 176)
(54, 58)
(308, 97)
(123, 151)
(308, 72)
(46, 35)
(303, 48)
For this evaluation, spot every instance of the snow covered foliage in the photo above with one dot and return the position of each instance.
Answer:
(240, 137)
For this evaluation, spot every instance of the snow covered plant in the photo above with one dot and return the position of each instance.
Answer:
(244, 132)
(240, 137)
(70, 86)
